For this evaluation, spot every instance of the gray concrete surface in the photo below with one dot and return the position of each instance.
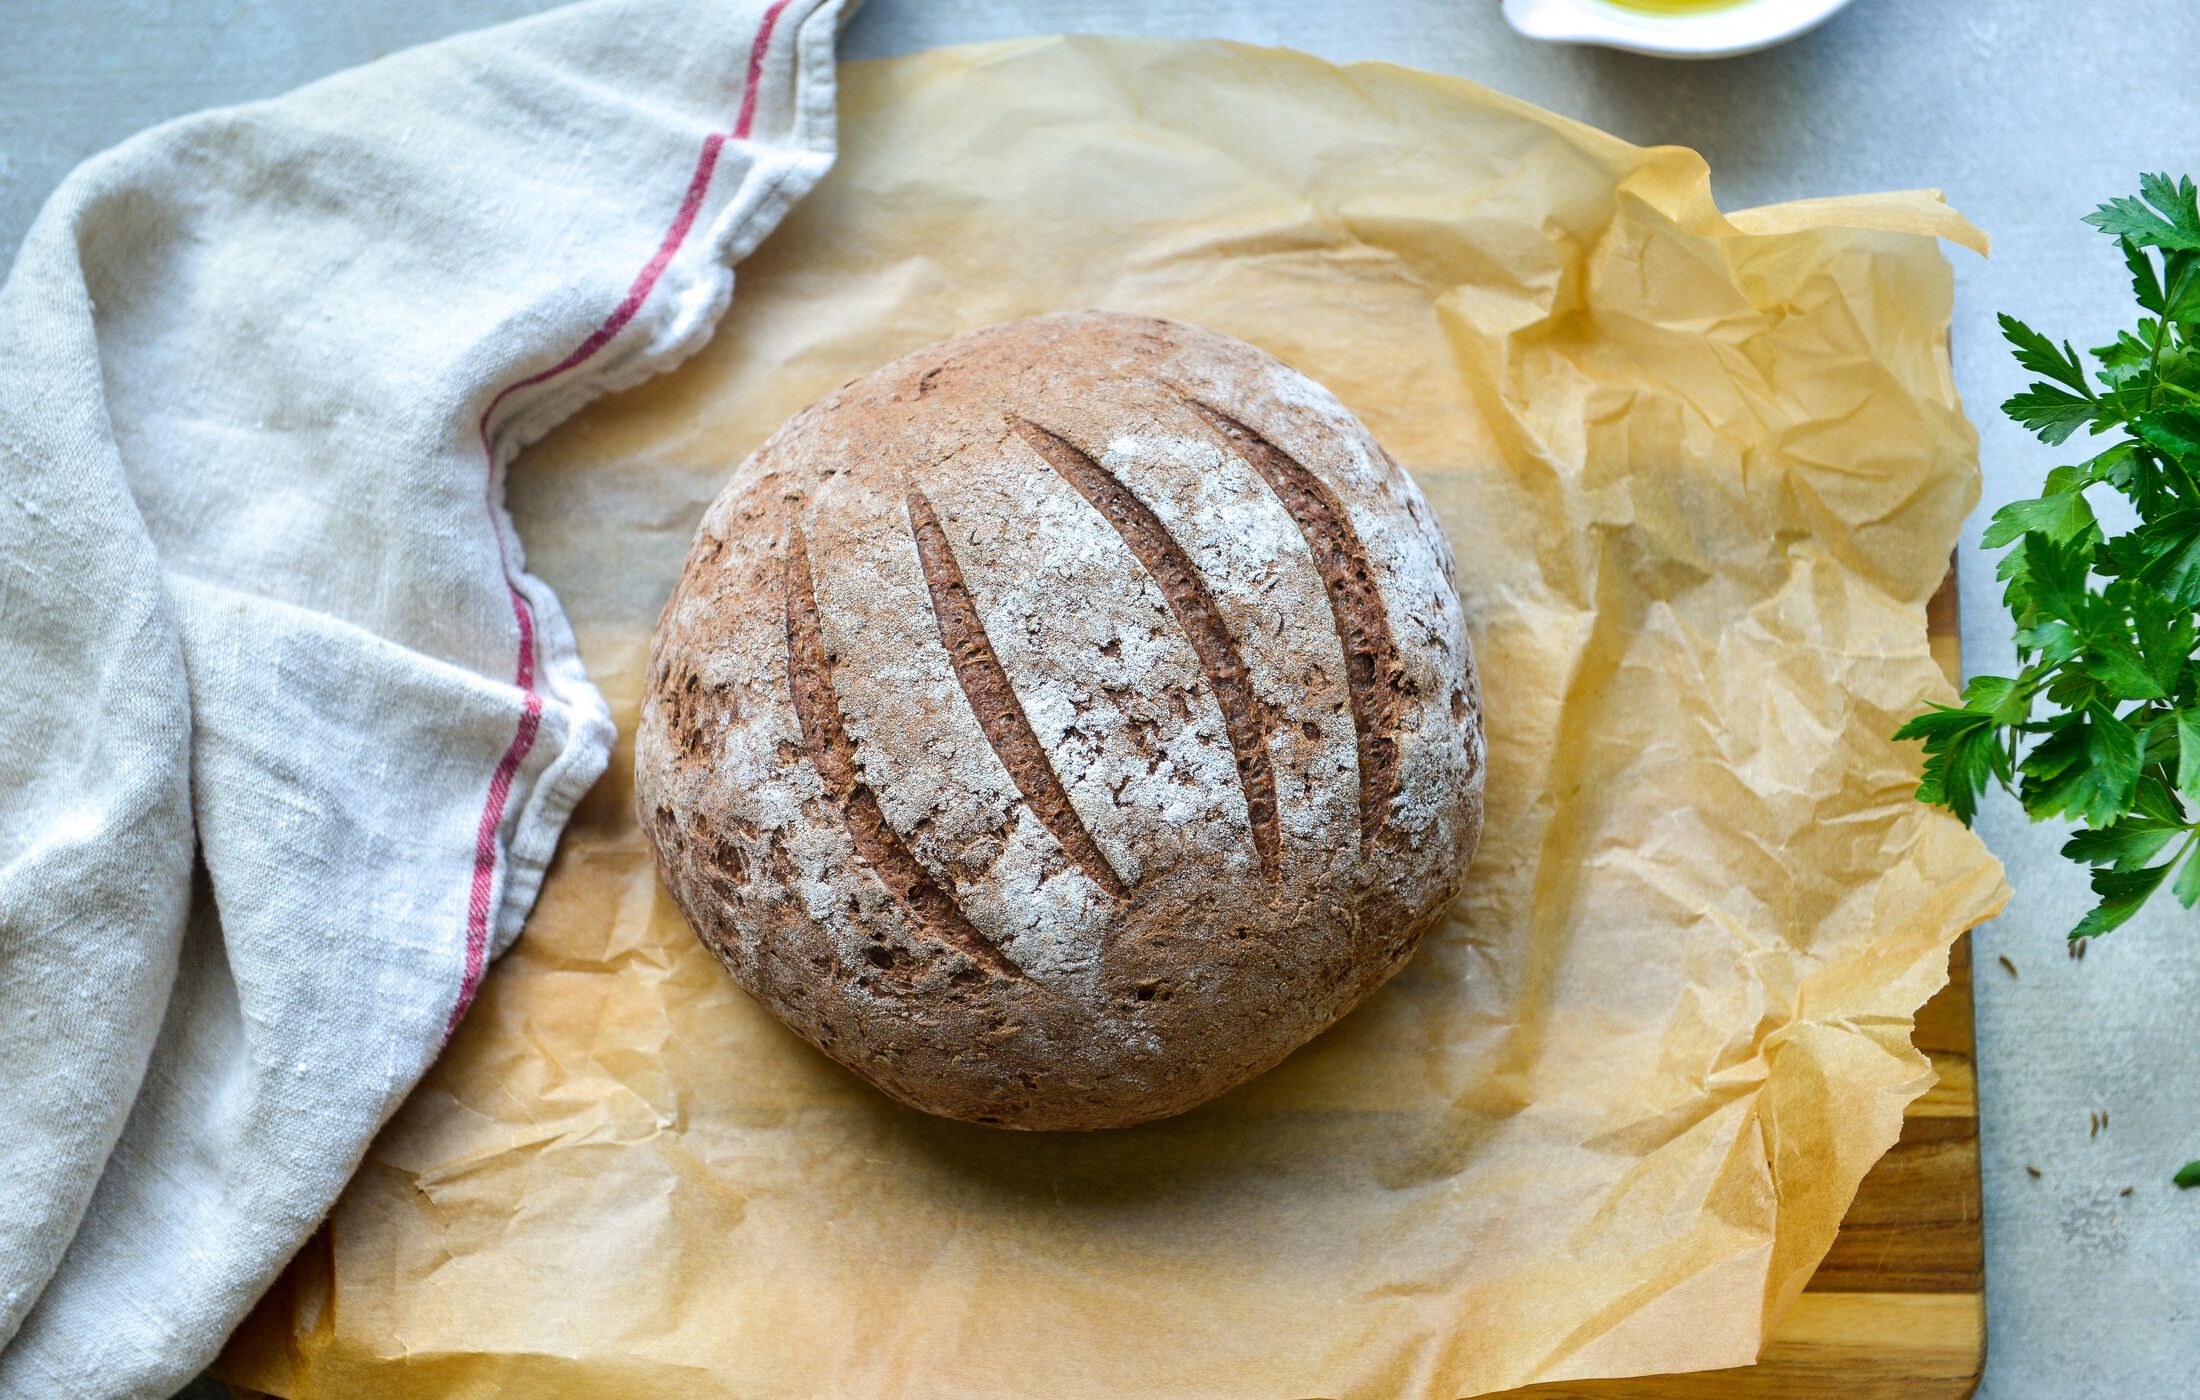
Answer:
(2027, 112)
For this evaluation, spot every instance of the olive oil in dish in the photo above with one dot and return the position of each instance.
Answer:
(1676, 7)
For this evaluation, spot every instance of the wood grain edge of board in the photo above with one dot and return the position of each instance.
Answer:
(1897, 1309)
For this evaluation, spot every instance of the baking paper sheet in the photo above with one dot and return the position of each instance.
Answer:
(1701, 473)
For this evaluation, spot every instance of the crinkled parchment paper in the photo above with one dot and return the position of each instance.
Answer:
(1702, 473)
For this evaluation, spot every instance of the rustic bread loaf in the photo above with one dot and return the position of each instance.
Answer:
(1062, 724)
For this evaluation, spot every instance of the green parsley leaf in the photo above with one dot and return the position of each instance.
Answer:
(2113, 466)
(2038, 354)
(2052, 414)
(1998, 697)
(2120, 668)
(2122, 893)
(2127, 845)
(2184, 297)
(2165, 633)
(2175, 433)
(2061, 517)
(1963, 752)
(2167, 551)
(2146, 285)
(2154, 799)
(2085, 770)
(2188, 1175)
(2052, 574)
(2164, 215)
(2187, 888)
(2188, 752)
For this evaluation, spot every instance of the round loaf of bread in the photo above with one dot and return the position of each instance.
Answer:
(1062, 724)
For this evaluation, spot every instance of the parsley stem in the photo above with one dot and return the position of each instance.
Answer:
(2190, 837)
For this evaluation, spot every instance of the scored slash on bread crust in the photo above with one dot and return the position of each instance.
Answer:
(993, 699)
(1173, 573)
(1370, 656)
(1061, 724)
(833, 754)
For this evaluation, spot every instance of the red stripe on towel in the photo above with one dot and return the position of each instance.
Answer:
(480, 906)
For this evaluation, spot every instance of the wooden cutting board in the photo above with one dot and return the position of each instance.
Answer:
(1898, 1309)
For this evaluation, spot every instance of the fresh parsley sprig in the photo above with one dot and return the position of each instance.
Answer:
(2101, 724)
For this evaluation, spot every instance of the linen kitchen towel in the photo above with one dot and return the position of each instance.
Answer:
(287, 733)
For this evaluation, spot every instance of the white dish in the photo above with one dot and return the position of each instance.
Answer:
(1731, 29)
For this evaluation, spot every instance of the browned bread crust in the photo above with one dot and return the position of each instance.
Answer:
(1065, 722)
